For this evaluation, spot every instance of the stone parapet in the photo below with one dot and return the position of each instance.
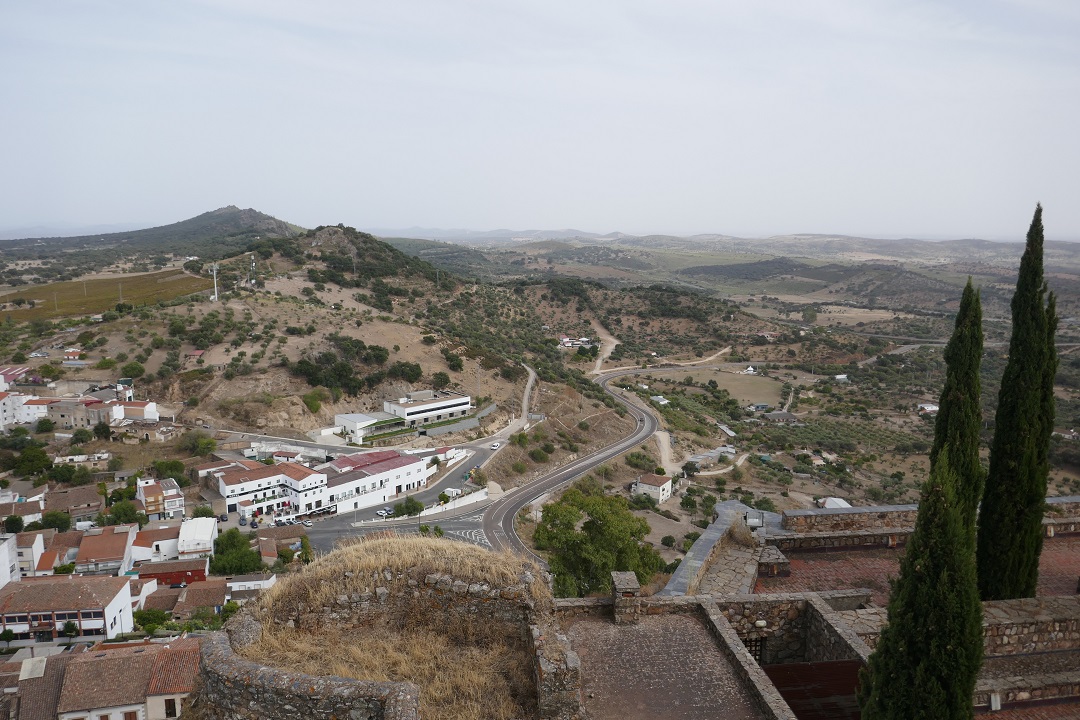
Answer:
(841, 539)
(237, 689)
(827, 639)
(625, 597)
(848, 519)
(771, 705)
(566, 608)
(1027, 689)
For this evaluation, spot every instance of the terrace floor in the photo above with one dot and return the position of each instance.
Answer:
(845, 569)
(666, 666)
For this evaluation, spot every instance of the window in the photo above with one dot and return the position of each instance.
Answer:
(170, 708)
(131, 715)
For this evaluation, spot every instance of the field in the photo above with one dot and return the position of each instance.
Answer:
(87, 297)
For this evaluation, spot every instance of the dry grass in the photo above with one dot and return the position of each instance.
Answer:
(79, 297)
(459, 680)
(740, 534)
(350, 567)
(468, 667)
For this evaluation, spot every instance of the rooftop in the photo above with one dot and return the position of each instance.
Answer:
(60, 592)
(654, 480)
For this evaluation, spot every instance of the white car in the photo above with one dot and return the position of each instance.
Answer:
(496, 446)
(39, 354)
(306, 523)
(383, 513)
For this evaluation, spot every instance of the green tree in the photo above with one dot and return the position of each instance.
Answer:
(133, 370)
(197, 442)
(102, 430)
(440, 380)
(203, 511)
(13, 524)
(690, 468)
(960, 413)
(71, 630)
(57, 519)
(1010, 521)
(306, 553)
(928, 657)
(44, 425)
(7, 635)
(589, 537)
(124, 513)
(81, 436)
(233, 555)
(32, 461)
(409, 506)
(169, 469)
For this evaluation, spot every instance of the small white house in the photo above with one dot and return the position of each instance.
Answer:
(928, 409)
(197, 536)
(658, 487)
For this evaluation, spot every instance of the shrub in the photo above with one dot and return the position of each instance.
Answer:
(643, 502)
(519, 467)
(538, 455)
(688, 503)
(668, 541)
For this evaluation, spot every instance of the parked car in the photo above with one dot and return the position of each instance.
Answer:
(384, 513)
(306, 523)
(224, 517)
(243, 520)
(254, 525)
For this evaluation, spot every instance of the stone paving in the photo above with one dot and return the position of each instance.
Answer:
(665, 666)
(1059, 568)
(732, 571)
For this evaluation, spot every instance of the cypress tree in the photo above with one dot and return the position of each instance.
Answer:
(928, 656)
(1010, 521)
(959, 409)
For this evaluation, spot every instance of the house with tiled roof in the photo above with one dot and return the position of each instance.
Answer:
(197, 536)
(106, 551)
(156, 544)
(40, 606)
(30, 546)
(658, 487)
(39, 683)
(164, 599)
(210, 595)
(81, 503)
(33, 409)
(10, 374)
(29, 511)
(84, 412)
(162, 499)
(145, 680)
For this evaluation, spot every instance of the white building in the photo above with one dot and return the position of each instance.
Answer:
(426, 406)
(163, 500)
(11, 411)
(658, 487)
(9, 559)
(156, 544)
(355, 426)
(30, 547)
(197, 537)
(39, 607)
(107, 550)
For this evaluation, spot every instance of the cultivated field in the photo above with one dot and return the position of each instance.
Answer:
(85, 297)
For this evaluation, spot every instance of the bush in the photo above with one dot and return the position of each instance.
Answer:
(44, 425)
(668, 541)
(202, 511)
(688, 503)
(410, 506)
(538, 455)
(519, 467)
(643, 502)
(133, 370)
(583, 425)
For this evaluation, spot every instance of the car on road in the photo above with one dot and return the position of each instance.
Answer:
(307, 523)
(385, 512)
(39, 354)
(496, 446)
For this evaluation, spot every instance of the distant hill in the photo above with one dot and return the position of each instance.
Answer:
(213, 234)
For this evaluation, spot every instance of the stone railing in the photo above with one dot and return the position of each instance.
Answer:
(849, 519)
(234, 688)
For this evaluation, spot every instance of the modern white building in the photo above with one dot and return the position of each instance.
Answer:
(9, 559)
(197, 536)
(427, 406)
(30, 546)
(162, 499)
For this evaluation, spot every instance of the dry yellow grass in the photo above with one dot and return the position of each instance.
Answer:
(351, 565)
(468, 667)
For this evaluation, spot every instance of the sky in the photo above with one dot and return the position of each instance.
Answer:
(880, 118)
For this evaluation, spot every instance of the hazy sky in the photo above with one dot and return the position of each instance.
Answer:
(873, 117)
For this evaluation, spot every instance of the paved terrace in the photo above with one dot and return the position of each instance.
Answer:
(845, 569)
(666, 666)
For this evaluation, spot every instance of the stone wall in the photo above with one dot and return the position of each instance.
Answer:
(849, 539)
(237, 689)
(1010, 627)
(849, 519)
(1021, 689)
(827, 639)
(234, 688)
(778, 619)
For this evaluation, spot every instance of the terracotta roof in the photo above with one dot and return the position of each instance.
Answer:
(40, 696)
(654, 480)
(243, 475)
(153, 489)
(62, 542)
(111, 544)
(268, 548)
(295, 470)
(108, 677)
(147, 538)
(359, 460)
(162, 599)
(173, 566)
(175, 668)
(204, 594)
(72, 498)
(283, 533)
(47, 561)
(41, 401)
(60, 592)
(213, 465)
(392, 464)
(27, 539)
(22, 509)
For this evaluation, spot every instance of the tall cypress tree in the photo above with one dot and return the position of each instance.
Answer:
(928, 656)
(1010, 521)
(959, 410)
